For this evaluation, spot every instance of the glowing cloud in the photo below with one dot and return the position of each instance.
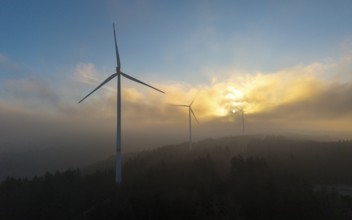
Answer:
(255, 93)
(305, 98)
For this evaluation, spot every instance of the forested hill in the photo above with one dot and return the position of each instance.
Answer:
(229, 178)
(320, 162)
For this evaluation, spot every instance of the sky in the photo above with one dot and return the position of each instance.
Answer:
(286, 64)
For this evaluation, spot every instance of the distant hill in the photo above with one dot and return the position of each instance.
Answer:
(322, 162)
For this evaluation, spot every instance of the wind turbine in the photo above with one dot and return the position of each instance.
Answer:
(241, 111)
(242, 114)
(190, 111)
(118, 73)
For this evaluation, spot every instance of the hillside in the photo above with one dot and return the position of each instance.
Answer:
(217, 179)
(321, 162)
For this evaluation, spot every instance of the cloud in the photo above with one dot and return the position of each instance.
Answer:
(303, 99)
(86, 73)
(312, 92)
(31, 91)
(331, 102)
(8, 67)
(3, 59)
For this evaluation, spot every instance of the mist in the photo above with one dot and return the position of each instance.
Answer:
(39, 117)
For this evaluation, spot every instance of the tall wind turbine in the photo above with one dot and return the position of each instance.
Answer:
(190, 111)
(118, 73)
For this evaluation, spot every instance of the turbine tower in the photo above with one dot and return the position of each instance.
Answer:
(190, 111)
(118, 73)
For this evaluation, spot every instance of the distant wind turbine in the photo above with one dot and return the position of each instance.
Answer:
(118, 73)
(241, 111)
(190, 111)
(243, 128)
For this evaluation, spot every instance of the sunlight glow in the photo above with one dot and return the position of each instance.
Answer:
(258, 93)
(252, 93)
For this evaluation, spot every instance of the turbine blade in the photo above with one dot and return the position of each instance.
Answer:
(194, 115)
(138, 81)
(105, 81)
(116, 49)
(179, 105)
(194, 99)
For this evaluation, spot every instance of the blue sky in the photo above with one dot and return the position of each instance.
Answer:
(284, 62)
(172, 40)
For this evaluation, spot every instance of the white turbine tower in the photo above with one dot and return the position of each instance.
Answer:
(190, 111)
(118, 73)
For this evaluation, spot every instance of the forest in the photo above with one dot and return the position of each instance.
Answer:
(257, 177)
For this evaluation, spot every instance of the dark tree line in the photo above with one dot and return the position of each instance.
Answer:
(319, 162)
(167, 184)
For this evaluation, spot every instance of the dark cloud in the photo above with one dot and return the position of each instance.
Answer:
(332, 102)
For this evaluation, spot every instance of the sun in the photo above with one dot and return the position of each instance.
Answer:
(235, 99)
